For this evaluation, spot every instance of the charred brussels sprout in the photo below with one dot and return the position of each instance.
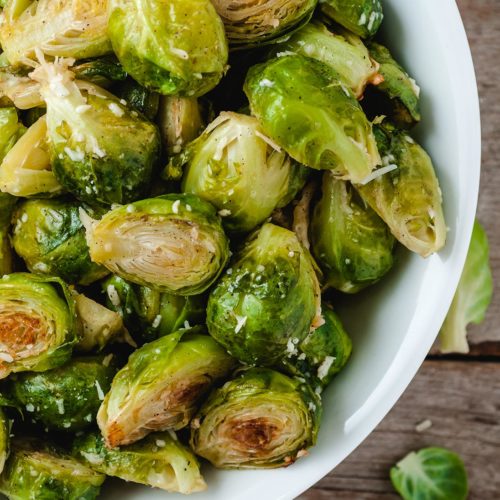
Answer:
(7, 203)
(240, 171)
(50, 237)
(37, 471)
(341, 50)
(160, 386)
(262, 419)
(267, 301)
(174, 243)
(37, 323)
(362, 17)
(350, 241)
(149, 314)
(257, 22)
(11, 129)
(100, 150)
(159, 461)
(407, 197)
(303, 106)
(172, 47)
(66, 398)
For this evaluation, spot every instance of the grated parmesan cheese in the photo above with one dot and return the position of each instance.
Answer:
(175, 206)
(157, 321)
(325, 366)
(113, 295)
(378, 173)
(100, 394)
(116, 110)
(240, 323)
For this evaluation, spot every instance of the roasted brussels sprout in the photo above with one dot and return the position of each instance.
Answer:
(37, 323)
(36, 471)
(5, 425)
(65, 398)
(174, 48)
(352, 244)
(149, 314)
(303, 106)
(258, 22)
(402, 101)
(362, 17)
(240, 171)
(267, 301)
(341, 50)
(173, 243)
(50, 237)
(407, 196)
(100, 150)
(139, 98)
(103, 71)
(159, 460)
(261, 419)
(11, 129)
(160, 386)
(26, 170)
(69, 28)
(7, 203)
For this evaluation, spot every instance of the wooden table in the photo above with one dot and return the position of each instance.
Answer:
(460, 395)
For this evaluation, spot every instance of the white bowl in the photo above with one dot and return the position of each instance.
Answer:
(395, 323)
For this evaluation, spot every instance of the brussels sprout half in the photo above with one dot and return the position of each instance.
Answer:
(352, 244)
(160, 386)
(240, 171)
(37, 323)
(7, 203)
(261, 419)
(50, 237)
(172, 47)
(174, 243)
(159, 460)
(267, 301)
(302, 104)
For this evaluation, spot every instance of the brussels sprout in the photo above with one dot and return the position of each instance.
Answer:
(240, 171)
(36, 471)
(50, 237)
(5, 425)
(100, 150)
(10, 130)
(174, 47)
(267, 301)
(160, 386)
(149, 314)
(173, 243)
(102, 71)
(26, 170)
(159, 460)
(262, 419)
(68, 397)
(362, 17)
(341, 50)
(304, 107)
(7, 203)
(431, 473)
(407, 196)
(139, 98)
(402, 101)
(37, 323)
(352, 244)
(70, 28)
(258, 22)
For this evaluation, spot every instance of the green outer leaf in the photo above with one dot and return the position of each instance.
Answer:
(5, 425)
(7, 204)
(472, 297)
(430, 474)
(139, 98)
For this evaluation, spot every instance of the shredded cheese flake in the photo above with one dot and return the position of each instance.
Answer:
(378, 173)
(325, 367)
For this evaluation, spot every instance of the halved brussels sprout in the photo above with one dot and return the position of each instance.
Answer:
(5, 425)
(174, 243)
(352, 244)
(407, 196)
(267, 301)
(161, 385)
(50, 237)
(100, 150)
(65, 398)
(303, 106)
(362, 17)
(7, 203)
(35, 471)
(341, 50)
(37, 323)
(149, 314)
(26, 169)
(261, 419)
(11, 129)
(139, 98)
(174, 48)
(159, 460)
(257, 22)
(240, 171)
(69, 28)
